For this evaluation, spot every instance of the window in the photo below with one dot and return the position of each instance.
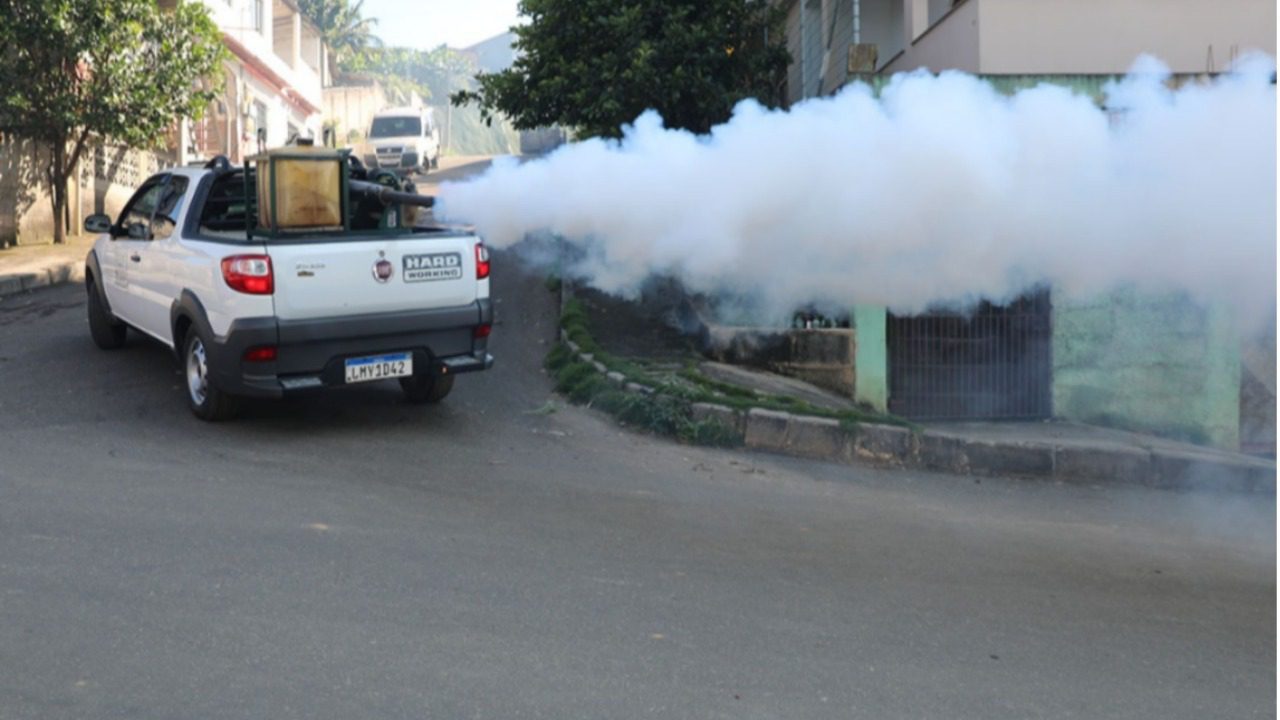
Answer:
(225, 210)
(141, 207)
(390, 127)
(255, 7)
(169, 208)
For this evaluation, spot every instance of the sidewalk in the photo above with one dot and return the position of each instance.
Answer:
(26, 267)
(1060, 451)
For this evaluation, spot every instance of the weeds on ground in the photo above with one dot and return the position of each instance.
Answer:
(659, 413)
(573, 319)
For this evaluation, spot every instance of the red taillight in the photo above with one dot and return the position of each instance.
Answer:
(482, 261)
(262, 353)
(482, 331)
(250, 274)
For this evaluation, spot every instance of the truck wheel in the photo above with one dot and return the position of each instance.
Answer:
(207, 402)
(422, 389)
(108, 333)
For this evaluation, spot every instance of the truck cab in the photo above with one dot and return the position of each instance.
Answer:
(404, 141)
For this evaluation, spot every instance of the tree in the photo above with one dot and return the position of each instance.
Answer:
(594, 65)
(343, 28)
(123, 70)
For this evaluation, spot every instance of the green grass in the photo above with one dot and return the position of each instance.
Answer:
(658, 413)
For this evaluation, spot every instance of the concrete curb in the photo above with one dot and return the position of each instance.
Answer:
(887, 445)
(63, 272)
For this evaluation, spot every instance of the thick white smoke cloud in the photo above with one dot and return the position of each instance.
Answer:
(941, 190)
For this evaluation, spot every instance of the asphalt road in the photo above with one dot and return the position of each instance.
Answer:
(350, 556)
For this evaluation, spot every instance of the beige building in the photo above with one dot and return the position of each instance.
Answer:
(352, 101)
(349, 107)
(831, 40)
(274, 78)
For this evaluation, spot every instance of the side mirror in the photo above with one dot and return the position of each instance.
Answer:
(97, 223)
(139, 231)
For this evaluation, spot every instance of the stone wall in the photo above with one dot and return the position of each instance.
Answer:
(824, 358)
(1159, 365)
(110, 173)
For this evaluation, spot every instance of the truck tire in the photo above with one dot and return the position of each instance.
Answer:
(426, 389)
(108, 333)
(206, 401)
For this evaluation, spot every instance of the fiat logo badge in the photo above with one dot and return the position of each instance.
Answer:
(382, 270)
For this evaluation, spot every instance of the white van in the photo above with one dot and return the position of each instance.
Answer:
(404, 141)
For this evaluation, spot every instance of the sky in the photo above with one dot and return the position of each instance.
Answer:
(426, 24)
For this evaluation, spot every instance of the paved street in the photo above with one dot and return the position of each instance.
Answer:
(348, 555)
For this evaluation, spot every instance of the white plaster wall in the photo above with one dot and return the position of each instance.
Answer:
(952, 43)
(1105, 36)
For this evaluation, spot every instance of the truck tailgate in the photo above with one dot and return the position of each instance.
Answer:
(373, 275)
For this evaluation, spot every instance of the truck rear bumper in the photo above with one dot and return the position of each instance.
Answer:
(311, 354)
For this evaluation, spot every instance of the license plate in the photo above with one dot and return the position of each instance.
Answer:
(379, 367)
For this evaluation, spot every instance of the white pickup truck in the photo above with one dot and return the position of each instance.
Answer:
(251, 316)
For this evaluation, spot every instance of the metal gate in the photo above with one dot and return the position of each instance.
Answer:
(990, 364)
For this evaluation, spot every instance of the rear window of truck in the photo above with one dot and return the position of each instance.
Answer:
(225, 209)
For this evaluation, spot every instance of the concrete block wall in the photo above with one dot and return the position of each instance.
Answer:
(351, 108)
(24, 198)
(1153, 364)
(107, 178)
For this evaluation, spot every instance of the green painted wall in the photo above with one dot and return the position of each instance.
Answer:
(871, 356)
(1161, 365)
